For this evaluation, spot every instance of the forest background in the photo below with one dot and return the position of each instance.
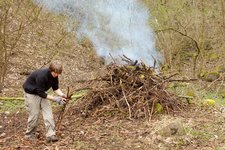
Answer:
(189, 34)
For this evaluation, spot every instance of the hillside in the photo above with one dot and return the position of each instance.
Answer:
(188, 34)
(42, 40)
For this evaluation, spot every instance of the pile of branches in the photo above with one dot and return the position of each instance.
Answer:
(130, 91)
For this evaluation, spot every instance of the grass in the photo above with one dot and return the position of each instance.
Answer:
(11, 106)
(198, 93)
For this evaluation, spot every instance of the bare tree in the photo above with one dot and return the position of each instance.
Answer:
(13, 25)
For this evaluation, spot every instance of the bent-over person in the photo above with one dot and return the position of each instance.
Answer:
(37, 100)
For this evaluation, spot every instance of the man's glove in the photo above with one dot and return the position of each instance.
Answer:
(59, 100)
(64, 96)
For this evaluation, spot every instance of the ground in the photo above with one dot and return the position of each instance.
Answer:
(204, 128)
(201, 127)
(197, 127)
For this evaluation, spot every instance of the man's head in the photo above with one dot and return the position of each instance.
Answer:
(55, 68)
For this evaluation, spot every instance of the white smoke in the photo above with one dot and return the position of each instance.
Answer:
(115, 27)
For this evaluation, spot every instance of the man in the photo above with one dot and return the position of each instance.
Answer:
(37, 100)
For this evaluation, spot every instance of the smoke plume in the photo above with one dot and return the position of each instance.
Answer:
(115, 27)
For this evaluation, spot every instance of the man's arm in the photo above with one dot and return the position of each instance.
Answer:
(60, 93)
(50, 97)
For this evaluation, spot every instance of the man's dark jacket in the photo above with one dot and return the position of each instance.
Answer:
(39, 82)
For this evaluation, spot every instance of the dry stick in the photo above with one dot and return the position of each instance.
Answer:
(182, 80)
(153, 103)
(112, 58)
(135, 91)
(129, 61)
(63, 110)
(126, 102)
(99, 112)
(166, 78)
(167, 108)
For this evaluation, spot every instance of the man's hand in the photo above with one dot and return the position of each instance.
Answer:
(59, 100)
(64, 96)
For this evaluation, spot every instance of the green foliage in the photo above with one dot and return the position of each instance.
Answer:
(209, 76)
(217, 97)
(158, 108)
(11, 106)
(79, 94)
(198, 95)
(189, 33)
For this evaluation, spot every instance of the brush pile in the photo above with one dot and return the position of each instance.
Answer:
(130, 91)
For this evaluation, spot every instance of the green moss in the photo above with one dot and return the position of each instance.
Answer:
(158, 108)
(209, 76)
(213, 56)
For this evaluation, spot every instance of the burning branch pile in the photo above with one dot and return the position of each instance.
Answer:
(133, 91)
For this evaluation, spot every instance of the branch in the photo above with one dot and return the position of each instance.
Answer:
(127, 102)
(182, 80)
(195, 42)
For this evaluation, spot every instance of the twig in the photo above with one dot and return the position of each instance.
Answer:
(182, 80)
(112, 58)
(153, 103)
(166, 78)
(129, 61)
(126, 102)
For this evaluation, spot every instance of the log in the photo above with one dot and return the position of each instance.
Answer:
(22, 99)
(11, 98)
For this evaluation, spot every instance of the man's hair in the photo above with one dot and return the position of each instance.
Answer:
(56, 66)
